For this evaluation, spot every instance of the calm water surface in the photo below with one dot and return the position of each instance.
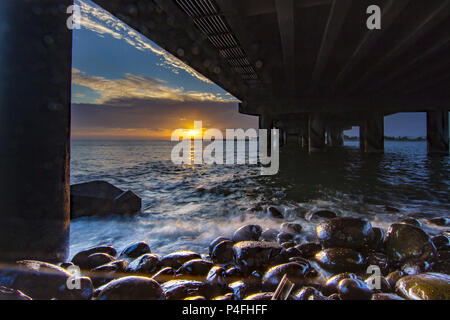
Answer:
(185, 207)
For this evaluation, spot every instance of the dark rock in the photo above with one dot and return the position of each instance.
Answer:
(250, 255)
(405, 242)
(227, 297)
(181, 289)
(100, 198)
(288, 245)
(196, 268)
(233, 274)
(269, 235)
(442, 222)
(96, 260)
(36, 279)
(354, 289)
(378, 284)
(216, 275)
(215, 242)
(247, 233)
(308, 250)
(81, 257)
(146, 264)
(391, 209)
(415, 267)
(295, 272)
(132, 288)
(119, 265)
(135, 250)
(340, 260)
(66, 265)
(386, 296)
(274, 213)
(441, 241)
(292, 253)
(427, 286)
(290, 227)
(305, 293)
(284, 237)
(223, 252)
(260, 296)
(197, 298)
(377, 240)
(177, 259)
(11, 294)
(393, 277)
(320, 215)
(318, 297)
(331, 285)
(81, 289)
(378, 259)
(245, 288)
(345, 233)
(164, 275)
(335, 296)
(412, 221)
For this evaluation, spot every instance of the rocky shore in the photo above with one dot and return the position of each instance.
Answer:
(349, 260)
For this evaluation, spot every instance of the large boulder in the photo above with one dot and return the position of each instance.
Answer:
(252, 255)
(131, 288)
(100, 198)
(345, 233)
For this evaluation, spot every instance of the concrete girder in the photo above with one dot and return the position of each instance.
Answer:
(437, 132)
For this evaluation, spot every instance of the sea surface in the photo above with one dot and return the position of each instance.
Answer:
(185, 207)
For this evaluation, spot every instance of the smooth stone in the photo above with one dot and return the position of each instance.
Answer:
(12, 295)
(216, 276)
(269, 235)
(412, 221)
(331, 285)
(404, 241)
(354, 289)
(83, 292)
(181, 289)
(146, 264)
(249, 232)
(320, 215)
(441, 241)
(340, 260)
(197, 298)
(344, 233)
(377, 240)
(260, 296)
(290, 227)
(233, 274)
(36, 279)
(308, 250)
(427, 286)
(197, 268)
(288, 245)
(305, 293)
(135, 250)
(284, 237)
(378, 259)
(292, 253)
(81, 257)
(223, 252)
(441, 222)
(96, 260)
(386, 296)
(227, 297)
(415, 267)
(245, 288)
(177, 259)
(132, 288)
(274, 213)
(250, 255)
(215, 242)
(164, 275)
(393, 277)
(378, 284)
(294, 271)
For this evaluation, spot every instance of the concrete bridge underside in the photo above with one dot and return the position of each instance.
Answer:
(305, 66)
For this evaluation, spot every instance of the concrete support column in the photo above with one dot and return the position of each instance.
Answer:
(35, 94)
(372, 134)
(315, 134)
(335, 137)
(266, 122)
(437, 132)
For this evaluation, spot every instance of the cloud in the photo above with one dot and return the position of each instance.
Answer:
(121, 92)
(96, 19)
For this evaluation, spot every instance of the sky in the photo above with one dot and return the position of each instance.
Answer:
(124, 86)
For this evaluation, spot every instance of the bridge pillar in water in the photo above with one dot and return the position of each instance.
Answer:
(372, 134)
(437, 132)
(266, 122)
(35, 95)
(315, 134)
(335, 137)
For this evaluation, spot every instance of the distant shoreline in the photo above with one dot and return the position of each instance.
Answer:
(406, 139)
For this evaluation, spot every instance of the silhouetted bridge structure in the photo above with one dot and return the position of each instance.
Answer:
(307, 67)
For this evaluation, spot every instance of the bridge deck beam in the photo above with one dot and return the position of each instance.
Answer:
(35, 95)
(437, 132)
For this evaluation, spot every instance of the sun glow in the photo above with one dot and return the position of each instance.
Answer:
(192, 133)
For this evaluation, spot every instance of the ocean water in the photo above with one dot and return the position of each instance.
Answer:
(185, 207)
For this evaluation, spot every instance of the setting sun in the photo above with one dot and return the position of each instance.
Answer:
(192, 133)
